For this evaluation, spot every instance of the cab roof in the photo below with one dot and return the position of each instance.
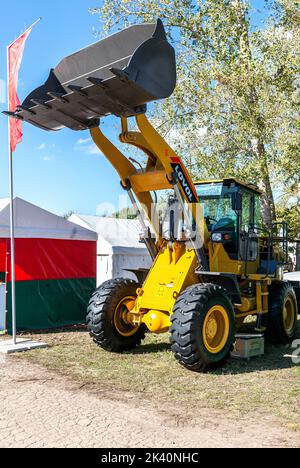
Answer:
(229, 181)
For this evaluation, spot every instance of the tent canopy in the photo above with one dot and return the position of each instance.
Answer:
(115, 236)
(120, 254)
(32, 222)
(55, 267)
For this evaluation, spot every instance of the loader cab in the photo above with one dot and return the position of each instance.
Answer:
(230, 208)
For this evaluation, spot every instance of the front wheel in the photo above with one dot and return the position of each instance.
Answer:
(107, 316)
(203, 327)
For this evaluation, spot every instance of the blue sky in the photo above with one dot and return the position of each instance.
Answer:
(59, 171)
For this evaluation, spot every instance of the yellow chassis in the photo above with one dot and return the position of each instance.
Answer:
(174, 265)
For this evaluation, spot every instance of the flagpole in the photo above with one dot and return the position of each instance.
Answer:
(12, 249)
(26, 30)
(11, 210)
(14, 138)
(11, 195)
(12, 224)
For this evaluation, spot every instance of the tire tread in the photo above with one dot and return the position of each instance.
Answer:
(190, 305)
(99, 309)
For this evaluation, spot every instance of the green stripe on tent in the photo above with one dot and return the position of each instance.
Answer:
(50, 303)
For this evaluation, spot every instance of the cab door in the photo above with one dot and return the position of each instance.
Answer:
(248, 238)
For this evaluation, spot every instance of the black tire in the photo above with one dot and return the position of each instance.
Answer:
(278, 331)
(188, 322)
(101, 316)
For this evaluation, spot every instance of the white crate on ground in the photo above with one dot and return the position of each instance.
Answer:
(247, 346)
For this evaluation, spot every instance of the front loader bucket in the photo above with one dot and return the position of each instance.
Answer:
(118, 75)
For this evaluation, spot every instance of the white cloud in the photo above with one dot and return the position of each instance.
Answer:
(41, 147)
(93, 149)
(2, 92)
(47, 158)
(83, 147)
(83, 141)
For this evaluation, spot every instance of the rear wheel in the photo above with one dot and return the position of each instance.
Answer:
(203, 327)
(282, 316)
(107, 317)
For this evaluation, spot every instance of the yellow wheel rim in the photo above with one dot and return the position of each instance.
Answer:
(216, 329)
(121, 317)
(289, 314)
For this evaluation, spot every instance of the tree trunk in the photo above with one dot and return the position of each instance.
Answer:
(267, 204)
(268, 211)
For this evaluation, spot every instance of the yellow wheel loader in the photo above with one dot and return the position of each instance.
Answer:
(213, 262)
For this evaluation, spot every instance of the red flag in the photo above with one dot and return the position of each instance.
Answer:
(15, 55)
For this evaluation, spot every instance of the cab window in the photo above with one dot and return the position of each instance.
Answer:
(216, 201)
(247, 211)
(257, 211)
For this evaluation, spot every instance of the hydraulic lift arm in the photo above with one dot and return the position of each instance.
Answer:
(163, 170)
(119, 76)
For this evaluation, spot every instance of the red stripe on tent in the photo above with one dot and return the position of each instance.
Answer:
(3, 250)
(40, 259)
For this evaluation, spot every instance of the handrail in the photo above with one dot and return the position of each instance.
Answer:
(254, 228)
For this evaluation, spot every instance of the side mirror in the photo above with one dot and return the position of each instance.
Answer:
(237, 201)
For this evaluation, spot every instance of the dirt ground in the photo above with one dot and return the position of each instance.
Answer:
(41, 408)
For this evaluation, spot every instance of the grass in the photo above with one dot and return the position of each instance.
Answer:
(267, 385)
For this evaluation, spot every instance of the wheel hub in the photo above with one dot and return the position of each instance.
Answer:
(124, 315)
(288, 314)
(211, 328)
(216, 329)
(122, 320)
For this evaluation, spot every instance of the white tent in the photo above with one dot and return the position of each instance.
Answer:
(119, 249)
(31, 221)
(55, 267)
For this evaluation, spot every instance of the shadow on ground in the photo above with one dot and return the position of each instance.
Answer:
(275, 357)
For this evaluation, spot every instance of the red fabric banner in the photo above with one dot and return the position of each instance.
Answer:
(46, 259)
(15, 55)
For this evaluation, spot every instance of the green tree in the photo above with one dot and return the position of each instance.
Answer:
(288, 141)
(290, 214)
(233, 105)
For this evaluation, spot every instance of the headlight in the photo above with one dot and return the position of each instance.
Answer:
(216, 237)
